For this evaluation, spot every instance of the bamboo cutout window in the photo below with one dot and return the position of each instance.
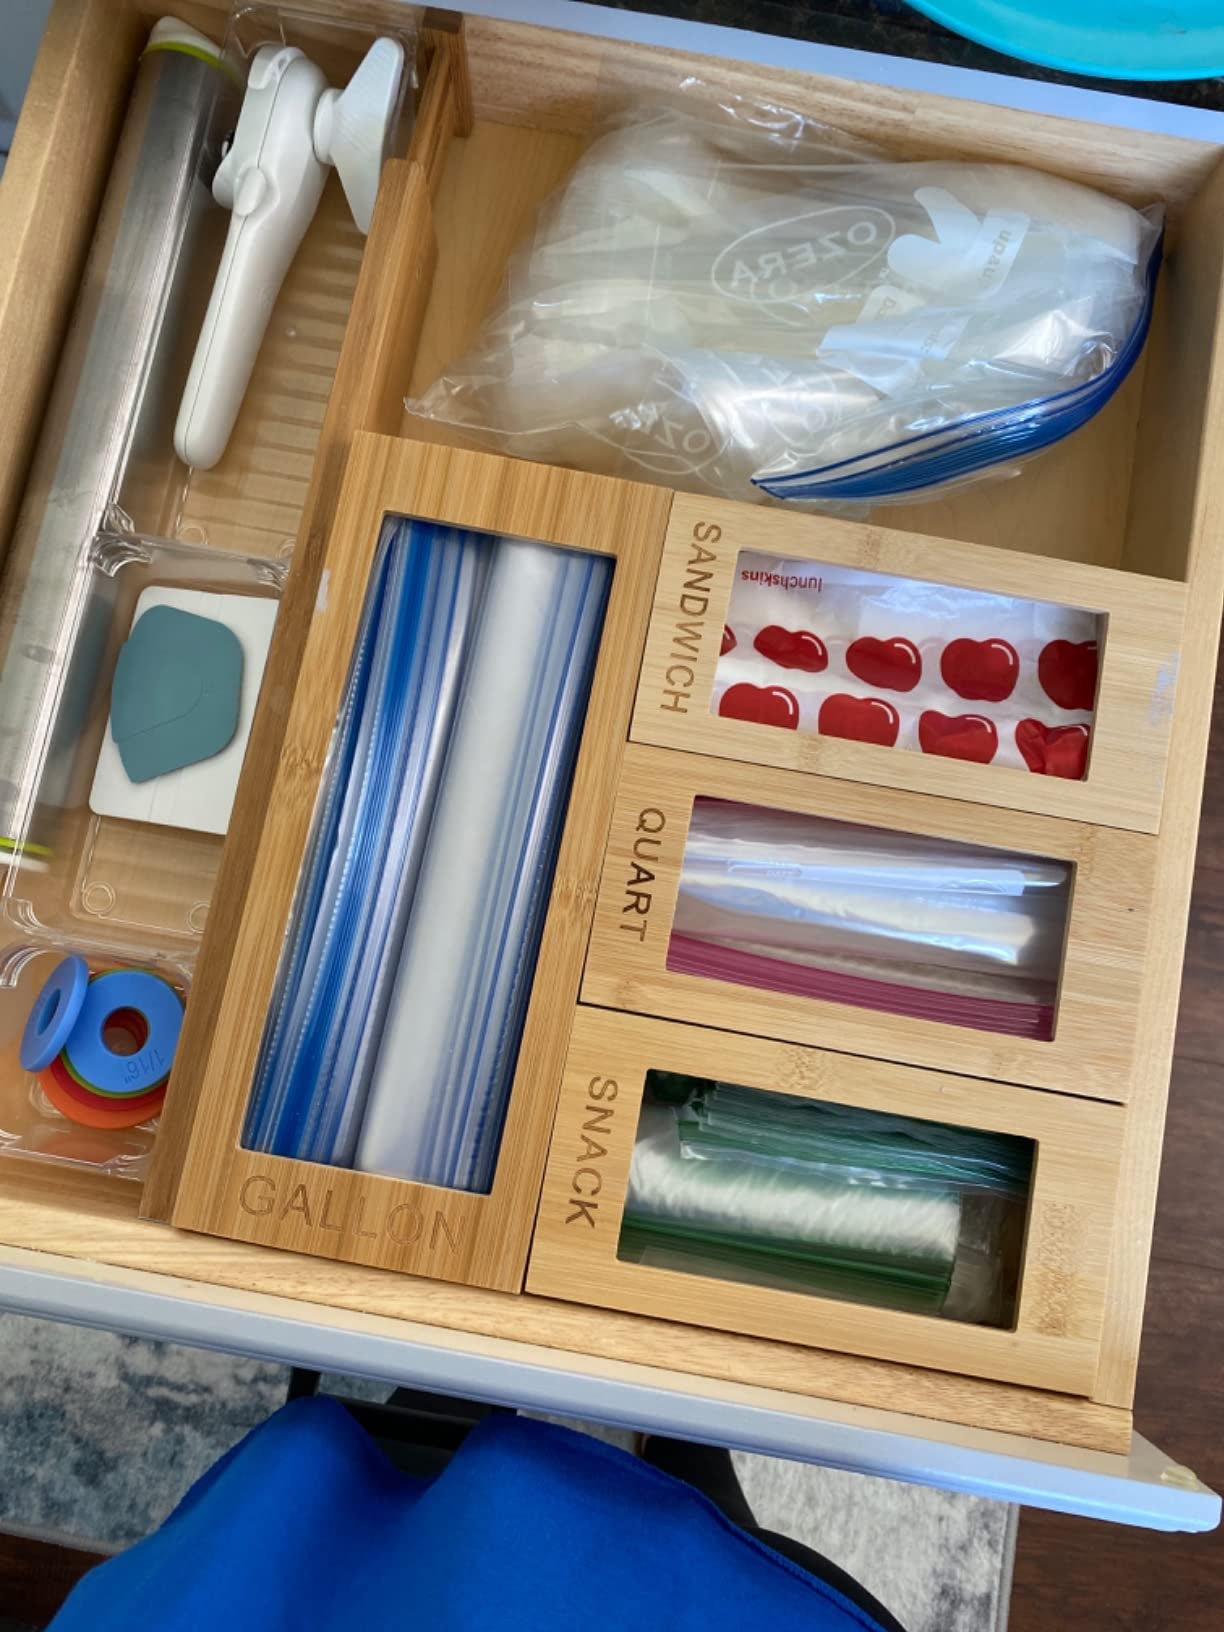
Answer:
(825, 645)
(620, 1225)
(395, 1026)
(815, 1197)
(903, 663)
(900, 923)
(683, 948)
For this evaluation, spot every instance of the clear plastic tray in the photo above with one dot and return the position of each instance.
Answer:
(116, 891)
(251, 501)
(30, 1125)
(134, 889)
(144, 887)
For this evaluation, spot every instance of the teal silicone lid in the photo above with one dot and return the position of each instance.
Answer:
(176, 693)
(1113, 39)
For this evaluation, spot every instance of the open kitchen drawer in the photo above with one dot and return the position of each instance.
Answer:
(502, 117)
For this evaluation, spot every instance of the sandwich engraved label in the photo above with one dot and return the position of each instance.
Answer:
(689, 629)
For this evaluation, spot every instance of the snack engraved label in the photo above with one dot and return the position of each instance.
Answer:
(593, 1144)
(640, 881)
(688, 631)
(405, 1225)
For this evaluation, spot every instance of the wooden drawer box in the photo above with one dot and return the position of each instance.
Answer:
(1138, 494)
(479, 1239)
(635, 961)
(1054, 1341)
(1140, 619)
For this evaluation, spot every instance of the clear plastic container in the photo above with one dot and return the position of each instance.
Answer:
(116, 890)
(139, 884)
(115, 869)
(30, 1125)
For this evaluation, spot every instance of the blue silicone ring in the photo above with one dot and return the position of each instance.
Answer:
(54, 1013)
(98, 1066)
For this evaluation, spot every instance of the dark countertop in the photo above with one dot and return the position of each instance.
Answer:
(895, 29)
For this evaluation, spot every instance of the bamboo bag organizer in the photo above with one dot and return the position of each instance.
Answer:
(479, 1239)
(483, 1240)
(1143, 616)
(1056, 1340)
(1092, 1050)
(1123, 519)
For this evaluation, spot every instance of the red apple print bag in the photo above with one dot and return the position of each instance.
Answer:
(901, 663)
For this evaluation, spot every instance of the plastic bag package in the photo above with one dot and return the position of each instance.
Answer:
(394, 1029)
(736, 301)
(959, 673)
(805, 1196)
(894, 922)
(463, 978)
(360, 873)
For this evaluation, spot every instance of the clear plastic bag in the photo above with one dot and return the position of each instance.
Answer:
(831, 1199)
(735, 301)
(902, 663)
(393, 1033)
(895, 922)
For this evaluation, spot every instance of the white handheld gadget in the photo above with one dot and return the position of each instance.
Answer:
(292, 126)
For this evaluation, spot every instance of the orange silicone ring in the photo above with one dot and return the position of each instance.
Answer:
(92, 1110)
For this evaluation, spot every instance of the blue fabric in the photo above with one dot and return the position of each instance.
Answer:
(306, 1527)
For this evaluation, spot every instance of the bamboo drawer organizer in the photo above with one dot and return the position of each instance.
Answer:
(1056, 1339)
(464, 1236)
(1092, 1050)
(1124, 519)
(1142, 615)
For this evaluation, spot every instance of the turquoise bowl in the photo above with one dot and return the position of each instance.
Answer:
(1116, 39)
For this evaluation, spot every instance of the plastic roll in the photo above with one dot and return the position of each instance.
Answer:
(837, 1200)
(360, 877)
(781, 1203)
(442, 1081)
(894, 922)
(109, 420)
